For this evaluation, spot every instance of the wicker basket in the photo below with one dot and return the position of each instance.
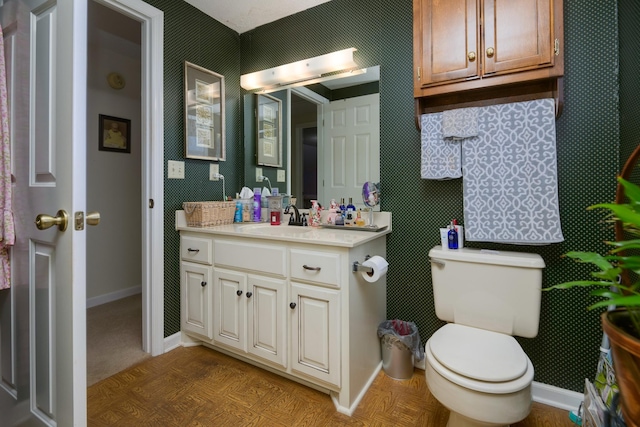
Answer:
(207, 214)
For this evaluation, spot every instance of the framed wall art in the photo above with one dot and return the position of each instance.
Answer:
(114, 134)
(269, 128)
(204, 113)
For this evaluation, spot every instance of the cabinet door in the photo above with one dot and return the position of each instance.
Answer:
(266, 318)
(315, 332)
(445, 40)
(518, 35)
(229, 309)
(195, 284)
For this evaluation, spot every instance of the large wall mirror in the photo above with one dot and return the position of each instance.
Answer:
(330, 138)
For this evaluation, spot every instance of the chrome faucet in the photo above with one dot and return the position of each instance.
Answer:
(295, 219)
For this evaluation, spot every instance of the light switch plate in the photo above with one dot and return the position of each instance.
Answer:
(214, 170)
(281, 175)
(175, 169)
(258, 173)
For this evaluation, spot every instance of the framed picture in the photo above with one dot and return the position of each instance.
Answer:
(114, 134)
(269, 126)
(203, 114)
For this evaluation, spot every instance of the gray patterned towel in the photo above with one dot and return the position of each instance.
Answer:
(510, 186)
(460, 123)
(440, 159)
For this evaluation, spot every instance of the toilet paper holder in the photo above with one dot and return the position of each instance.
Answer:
(359, 267)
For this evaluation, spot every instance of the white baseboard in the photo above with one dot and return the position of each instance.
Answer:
(113, 296)
(172, 342)
(556, 396)
(544, 393)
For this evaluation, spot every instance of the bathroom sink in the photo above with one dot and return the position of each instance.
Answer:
(275, 230)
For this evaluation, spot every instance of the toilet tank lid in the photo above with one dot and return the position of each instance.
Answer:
(487, 256)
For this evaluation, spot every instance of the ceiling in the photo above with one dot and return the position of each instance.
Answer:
(245, 15)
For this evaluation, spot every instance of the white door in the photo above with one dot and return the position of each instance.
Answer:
(267, 318)
(42, 340)
(350, 149)
(315, 332)
(229, 312)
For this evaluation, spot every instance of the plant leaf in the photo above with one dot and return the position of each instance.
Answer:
(578, 283)
(626, 301)
(591, 258)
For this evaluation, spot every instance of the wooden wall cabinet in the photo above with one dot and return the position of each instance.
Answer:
(465, 47)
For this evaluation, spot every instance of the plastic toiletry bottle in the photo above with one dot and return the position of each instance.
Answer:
(452, 236)
(238, 215)
(256, 204)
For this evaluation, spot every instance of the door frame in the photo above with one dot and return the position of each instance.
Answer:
(152, 63)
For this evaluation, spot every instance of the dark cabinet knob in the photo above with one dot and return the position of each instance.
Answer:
(203, 284)
(238, 292)
(292, 305)
(249, 294)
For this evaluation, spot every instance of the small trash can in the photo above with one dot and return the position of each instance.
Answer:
(399, 345)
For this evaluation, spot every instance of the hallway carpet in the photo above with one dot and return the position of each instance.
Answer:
(114, 338)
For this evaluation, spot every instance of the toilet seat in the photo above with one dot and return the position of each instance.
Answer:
(480, 360)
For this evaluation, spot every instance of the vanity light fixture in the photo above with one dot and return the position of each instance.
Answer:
(317, 80)
(300, 70)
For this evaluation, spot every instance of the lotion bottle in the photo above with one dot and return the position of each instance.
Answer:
(452, 236)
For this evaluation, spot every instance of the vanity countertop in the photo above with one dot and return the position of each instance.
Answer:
(348, 237)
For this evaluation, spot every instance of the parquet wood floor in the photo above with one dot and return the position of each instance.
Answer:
(197, 386)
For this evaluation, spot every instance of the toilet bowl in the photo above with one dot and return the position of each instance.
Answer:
(473, 365)
(492, 388)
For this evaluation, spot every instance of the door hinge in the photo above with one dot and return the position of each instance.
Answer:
(556, 47)
(418, 73)
(151, 203)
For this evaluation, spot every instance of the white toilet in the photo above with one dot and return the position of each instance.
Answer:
(474, 366)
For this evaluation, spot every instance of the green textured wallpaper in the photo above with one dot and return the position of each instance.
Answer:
(588, 141)
(190, 35)
(566, 349)
(629, 41)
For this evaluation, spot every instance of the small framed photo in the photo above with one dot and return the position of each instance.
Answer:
(203, 114)
(114, 134)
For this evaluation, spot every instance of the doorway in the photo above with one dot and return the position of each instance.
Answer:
(304, 149)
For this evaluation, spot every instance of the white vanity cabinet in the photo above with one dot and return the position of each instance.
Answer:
(249, 309)
(288, 301)
(315, 313)
(249, 314)
(196, 278)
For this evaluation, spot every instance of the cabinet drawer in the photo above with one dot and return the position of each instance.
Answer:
(196, 249)
(267, 259)
(318, 267)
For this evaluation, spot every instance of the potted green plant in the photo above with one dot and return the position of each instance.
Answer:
(618, 282)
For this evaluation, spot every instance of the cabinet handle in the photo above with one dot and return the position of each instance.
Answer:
(203, 284)
(292, 305)
(490, 52)
(238, 292)
(249, 294)
(471, 56)
(193, 250)
(306, 267)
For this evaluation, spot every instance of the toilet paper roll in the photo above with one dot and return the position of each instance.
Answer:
(379, 266)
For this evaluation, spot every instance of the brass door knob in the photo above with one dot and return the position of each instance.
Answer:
(61, 219)
(490, 52)
(471, 56)
(93, 218)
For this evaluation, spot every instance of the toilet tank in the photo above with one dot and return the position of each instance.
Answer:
(493, 290)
